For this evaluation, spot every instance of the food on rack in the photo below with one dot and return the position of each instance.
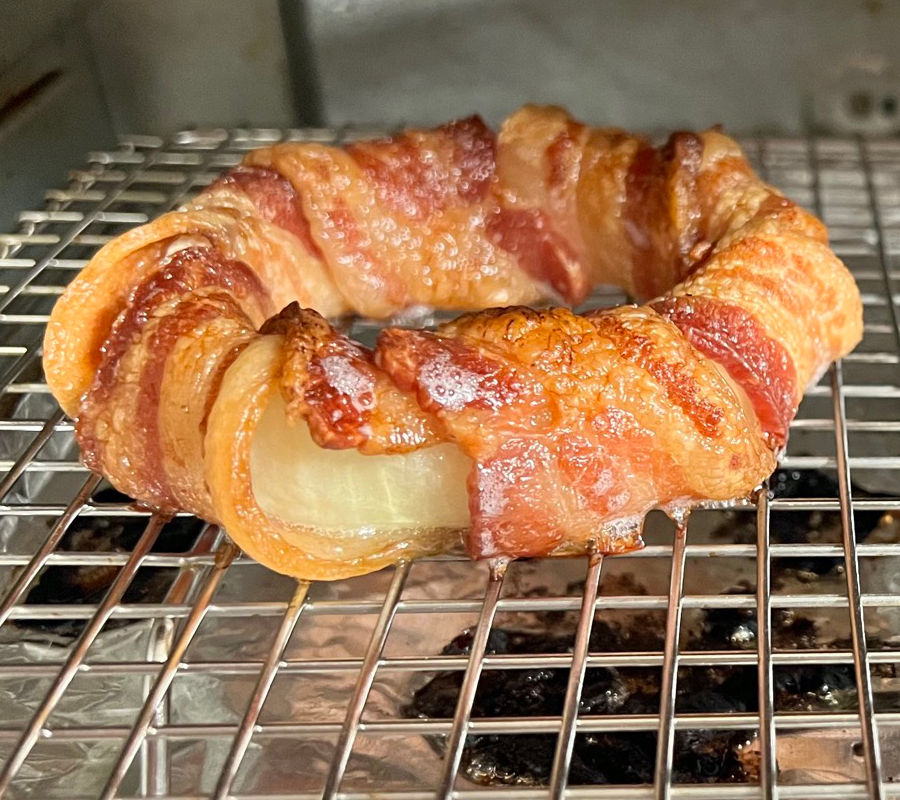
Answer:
(537, 431)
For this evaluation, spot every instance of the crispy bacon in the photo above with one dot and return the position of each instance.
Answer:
(186, 271)
(402, 221)
(682, 391)
(733, 338)
(333, 383)
(128, 422)
(538, 399)
(194, 292)
(568, 427)
(541, 252)
(420, 173)
(274, 198)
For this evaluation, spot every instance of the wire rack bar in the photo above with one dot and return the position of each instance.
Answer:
(629, 602)
(449, 663)
(767, 765)
(154, 762)
(665, 743)
(357, 703)
(39, 559)
(726, 792)
(802, 792)
(461, 719)
(854, 184)
(565, 742)
(837, 791)
(76, 657)
(261, 691)
(731, 658)
(620, 723)
(862, 667)
(881, 239)
(72, 234)
(28, 359)
(139, 730)
(629, 793)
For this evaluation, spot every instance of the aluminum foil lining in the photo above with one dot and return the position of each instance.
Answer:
(296, 763)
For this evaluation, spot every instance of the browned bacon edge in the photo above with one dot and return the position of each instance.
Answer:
(417, 389)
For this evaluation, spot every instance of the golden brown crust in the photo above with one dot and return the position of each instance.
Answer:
(573, 423)
(301, 551)
(333, 385)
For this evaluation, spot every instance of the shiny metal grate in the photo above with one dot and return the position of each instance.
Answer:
(233, 682)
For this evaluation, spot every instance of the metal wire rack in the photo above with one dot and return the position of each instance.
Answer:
(308, 712)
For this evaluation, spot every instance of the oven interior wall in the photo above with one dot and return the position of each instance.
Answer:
(119, 67)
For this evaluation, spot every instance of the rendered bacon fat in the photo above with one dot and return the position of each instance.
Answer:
(536, 431)
(574, 422)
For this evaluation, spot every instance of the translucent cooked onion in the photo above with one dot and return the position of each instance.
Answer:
(301, 483)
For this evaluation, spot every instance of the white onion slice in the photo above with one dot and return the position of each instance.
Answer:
(301, 483)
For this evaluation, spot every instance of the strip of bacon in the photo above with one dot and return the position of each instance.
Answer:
(333, 384)
(733, 338)
(421, 173)
(275, 199)
(574, 423)
(195, 294)
(565, 429)
(540, 250)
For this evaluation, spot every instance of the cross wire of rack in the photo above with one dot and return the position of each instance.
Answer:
(853, 183)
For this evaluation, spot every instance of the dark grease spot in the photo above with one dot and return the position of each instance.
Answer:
(86, 585)
(700, 756)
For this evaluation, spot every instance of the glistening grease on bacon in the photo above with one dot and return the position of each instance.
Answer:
(540, 250)
(516, 466)
(333, 384)
(276, 200)
(544, 430)
(757, 363)
(537, 399)
(450, 376)
(681, 389)
(562, 154)
(422, 173)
